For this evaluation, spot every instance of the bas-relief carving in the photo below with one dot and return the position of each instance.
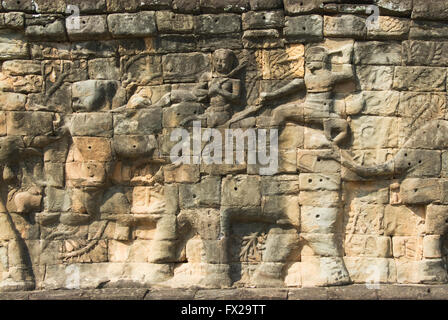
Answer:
(120, 200)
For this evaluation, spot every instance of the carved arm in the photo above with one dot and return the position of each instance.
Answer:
(293, 87)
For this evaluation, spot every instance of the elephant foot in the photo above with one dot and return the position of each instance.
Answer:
(9, 285)
(269, 275)
(217, 276)
(334, 271)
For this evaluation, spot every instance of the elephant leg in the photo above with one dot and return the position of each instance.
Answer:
(321, 231)
(21, 276)
(279, 247)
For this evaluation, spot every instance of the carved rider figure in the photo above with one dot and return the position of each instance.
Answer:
(318, 106)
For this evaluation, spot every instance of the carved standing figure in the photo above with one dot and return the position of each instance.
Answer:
(319, 83)
(224, 90)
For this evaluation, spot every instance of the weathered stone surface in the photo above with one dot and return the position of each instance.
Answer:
(382, 103)
(217, 24)
(104, 69)
(436, 220)
(86, 6)
(390, 28)
(187, 6)
(345, 26)
(403, 221)
(368, 246)
(425, 30)
(228, 6)
(46, 27)
(425, 53)
(383, 130)
(95, 95)
(419, 79)
(23, 123)
(236, 188)
(265, 4)
(430, 10)
(205, 194)
(304, 27)
(395, 6)
(375, 77)
(12, 46)
(168, 22)
(357, 187)
(122, 25)
(262, 39)
(420, 191)
(263, 20)
(377, 53)
(12, 101)
(295, 7)
(14, 20)
(118, 6)
(91, 124)
(87, 28)
(143, 122)
(185, 67)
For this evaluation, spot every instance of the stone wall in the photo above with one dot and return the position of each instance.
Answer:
(92, 91)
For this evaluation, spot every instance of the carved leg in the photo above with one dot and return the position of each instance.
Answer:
(163, 249)
(20, 273)
(321, 228)
(280, 245)
(291, 112)
(340, 125)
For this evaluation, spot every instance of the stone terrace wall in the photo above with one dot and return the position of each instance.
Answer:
(90, 198)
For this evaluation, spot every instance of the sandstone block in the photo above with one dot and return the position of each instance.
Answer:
(205, 194)
(377, 53)
(168, 22)
(419, 79)
(304, 27)
(432, 247)
(420, 191)
(265, 4)
(436, 220)
(345, 26)
(242, 191)
(375, 77)
(403, 221)
(46, 27)
(143, 122)
(27, 123)
(368, 246)
(319, 220)
(87, 28)
(92, 149)
(263, 20)
(228, 6)
(217, 24)
(319, 181)
(141, 24)
(91, 124)
(186, 67)
(12, 101)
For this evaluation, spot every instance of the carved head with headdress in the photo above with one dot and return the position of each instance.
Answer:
(224, 61)
(316, 58)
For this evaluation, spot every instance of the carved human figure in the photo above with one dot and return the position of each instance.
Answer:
(222, 91)
(20, 193)
(319, 83)
(317, 109)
